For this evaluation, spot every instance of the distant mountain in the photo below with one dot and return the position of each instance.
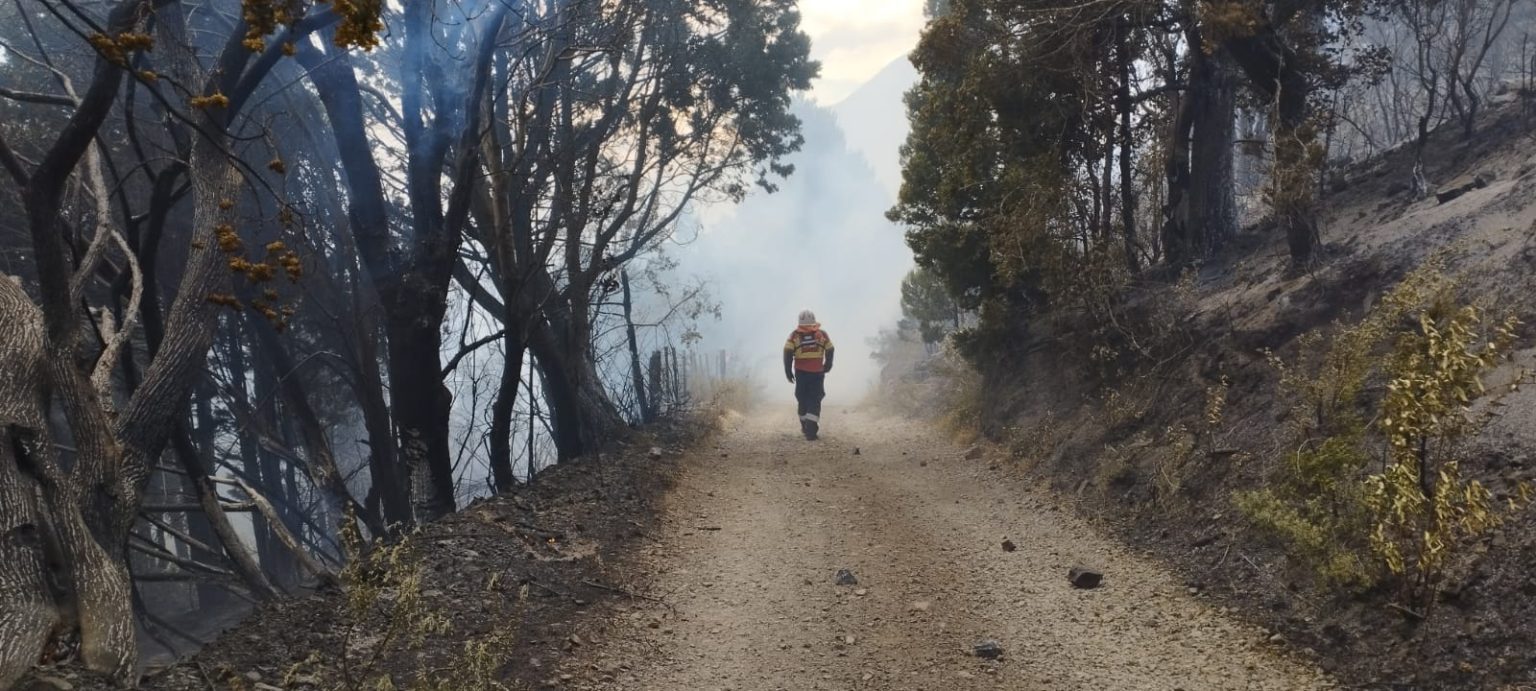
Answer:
(874, 120)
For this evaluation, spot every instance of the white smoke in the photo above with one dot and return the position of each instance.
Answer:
(821, 242)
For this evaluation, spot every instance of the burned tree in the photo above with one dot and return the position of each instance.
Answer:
(85, 508)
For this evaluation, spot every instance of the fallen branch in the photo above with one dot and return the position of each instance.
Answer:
(540, 532)
(1411, 614)
(151, 549)
(546, 588)
(285, 536)
(192, 508)
(186, 539)
(622, 591)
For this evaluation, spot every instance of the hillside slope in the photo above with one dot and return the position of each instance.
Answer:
(1128, 446)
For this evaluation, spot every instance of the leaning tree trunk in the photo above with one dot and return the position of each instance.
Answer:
(245, 563)
(319, 459)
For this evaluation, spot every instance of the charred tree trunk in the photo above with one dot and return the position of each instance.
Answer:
(1276, 70)
(1212, 198)
(413, 302)
(1180, 245)
(413, 282)
(200, 524)
(647, 411)
(262, 464)
(252, 459)
(582, 416)
(654, 370)
(502, 474)
(1106, 186)
(389, 487)
(1127, 190)
(1202, 212)
(421, 405)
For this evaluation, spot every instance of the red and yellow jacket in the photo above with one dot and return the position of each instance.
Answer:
(809, 348)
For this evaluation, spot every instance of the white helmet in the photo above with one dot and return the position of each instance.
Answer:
(807, 317)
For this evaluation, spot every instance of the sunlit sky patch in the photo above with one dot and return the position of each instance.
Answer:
(854, 39)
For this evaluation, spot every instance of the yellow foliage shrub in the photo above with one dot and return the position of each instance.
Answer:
(1355, 527)
(1420, 504)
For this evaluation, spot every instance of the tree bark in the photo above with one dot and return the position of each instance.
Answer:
(27, 614)
(1180, 245)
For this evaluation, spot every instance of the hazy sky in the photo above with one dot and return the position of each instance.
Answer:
(854, 39)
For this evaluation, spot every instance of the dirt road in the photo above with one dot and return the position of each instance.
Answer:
(758, 527)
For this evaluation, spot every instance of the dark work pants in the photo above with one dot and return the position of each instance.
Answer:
(810, 388)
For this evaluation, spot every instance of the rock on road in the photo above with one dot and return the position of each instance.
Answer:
(756, 531)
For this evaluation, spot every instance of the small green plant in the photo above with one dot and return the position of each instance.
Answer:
(1312, 501)
(1324, 528)
(1332, 370)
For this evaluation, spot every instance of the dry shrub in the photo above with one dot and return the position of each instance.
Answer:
(961, 395)
(1036, 442)
(1120, 327)
(386, 619)
(723, 396)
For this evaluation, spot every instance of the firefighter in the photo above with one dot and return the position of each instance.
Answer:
(807, 360)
